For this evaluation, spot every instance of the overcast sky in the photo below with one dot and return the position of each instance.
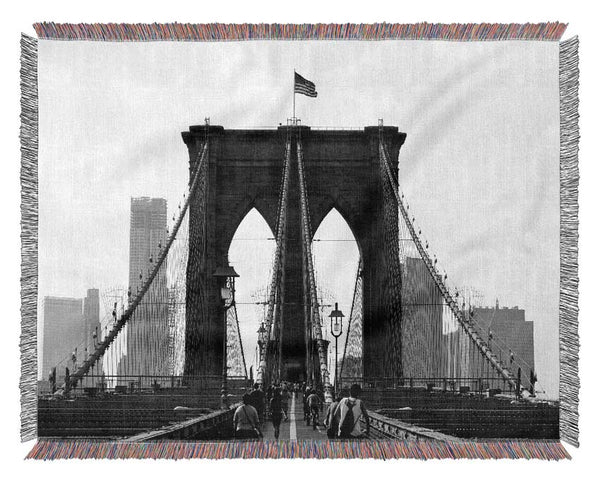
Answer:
(479, 167)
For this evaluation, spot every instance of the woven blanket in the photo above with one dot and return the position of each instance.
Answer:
(283, 241)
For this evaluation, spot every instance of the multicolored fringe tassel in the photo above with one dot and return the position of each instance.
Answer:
(319, 31)
(49, 450)
(569, 177)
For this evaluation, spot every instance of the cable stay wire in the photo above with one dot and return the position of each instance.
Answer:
(124, 318)
(277, 266)
(451, 303)
(314, 318)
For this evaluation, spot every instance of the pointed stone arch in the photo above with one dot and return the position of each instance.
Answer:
(341, 170)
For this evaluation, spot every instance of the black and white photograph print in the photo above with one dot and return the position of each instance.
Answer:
(272, 240)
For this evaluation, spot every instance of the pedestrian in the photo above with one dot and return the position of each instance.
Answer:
(285, 396)
(269, 395)
(270, 390)
(276, 412)
(350, 410)
(245, 420)
(332, 422)
(320, 391)
(257, 400)
(315, 405)
(305, 395)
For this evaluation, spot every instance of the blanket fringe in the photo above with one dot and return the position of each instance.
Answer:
(29, 231)
(319, 31)
(382, 450)
(569, 178)
(569, 183)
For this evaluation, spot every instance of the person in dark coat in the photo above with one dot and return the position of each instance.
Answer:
(332, 421)
(276, 411)
(257, 400)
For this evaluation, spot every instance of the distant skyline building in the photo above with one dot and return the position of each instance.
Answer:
(148, 228)
(511, 331)
(426, 323)
(422, 322)
(91, 314)
(147, 335)
(62, 328)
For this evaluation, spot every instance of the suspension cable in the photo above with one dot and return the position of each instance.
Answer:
(239, 338)
(355, 306)
(277, 264)
(467, 328)
(118, 326)
(315, 317)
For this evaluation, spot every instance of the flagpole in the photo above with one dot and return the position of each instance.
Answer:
(294, 94)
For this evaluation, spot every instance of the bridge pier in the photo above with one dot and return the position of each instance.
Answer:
(244, 171)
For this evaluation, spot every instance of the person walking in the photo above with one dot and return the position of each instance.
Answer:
(350, 410)
(315, 405)
(257, 400)
(331, 421)
(269, 393)
(285, 397)
(245, 420)
(276, 411)
(305, 395)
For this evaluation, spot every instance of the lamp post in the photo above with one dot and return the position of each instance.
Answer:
(225, 276)
(262, 344)
(335, 318)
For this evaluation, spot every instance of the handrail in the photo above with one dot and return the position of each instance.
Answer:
(393, 428)
(183, 429)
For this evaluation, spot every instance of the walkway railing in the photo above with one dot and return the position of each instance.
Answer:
(140, 384)
(216, 425)
(453, 384)
(383, 427)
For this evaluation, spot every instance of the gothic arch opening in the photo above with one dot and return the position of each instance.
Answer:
(251, 254)
(336, 259)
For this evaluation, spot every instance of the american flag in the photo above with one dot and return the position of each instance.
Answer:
(303, 86)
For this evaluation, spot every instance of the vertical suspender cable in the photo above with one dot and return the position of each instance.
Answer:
(484, 350)
(277, 266)
(306, 238)
(127, 315)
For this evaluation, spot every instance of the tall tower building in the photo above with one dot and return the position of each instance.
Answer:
(91, 314)
(91, 322)
(61, 333)
(147, 332)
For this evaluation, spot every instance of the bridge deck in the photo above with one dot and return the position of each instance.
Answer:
(295, 427)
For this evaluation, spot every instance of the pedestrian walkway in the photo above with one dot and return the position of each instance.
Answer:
(295, 427)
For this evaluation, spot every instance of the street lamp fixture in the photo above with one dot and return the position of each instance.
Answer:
(225, 276)
(263, 337)
(336, 318)
(262, 334)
